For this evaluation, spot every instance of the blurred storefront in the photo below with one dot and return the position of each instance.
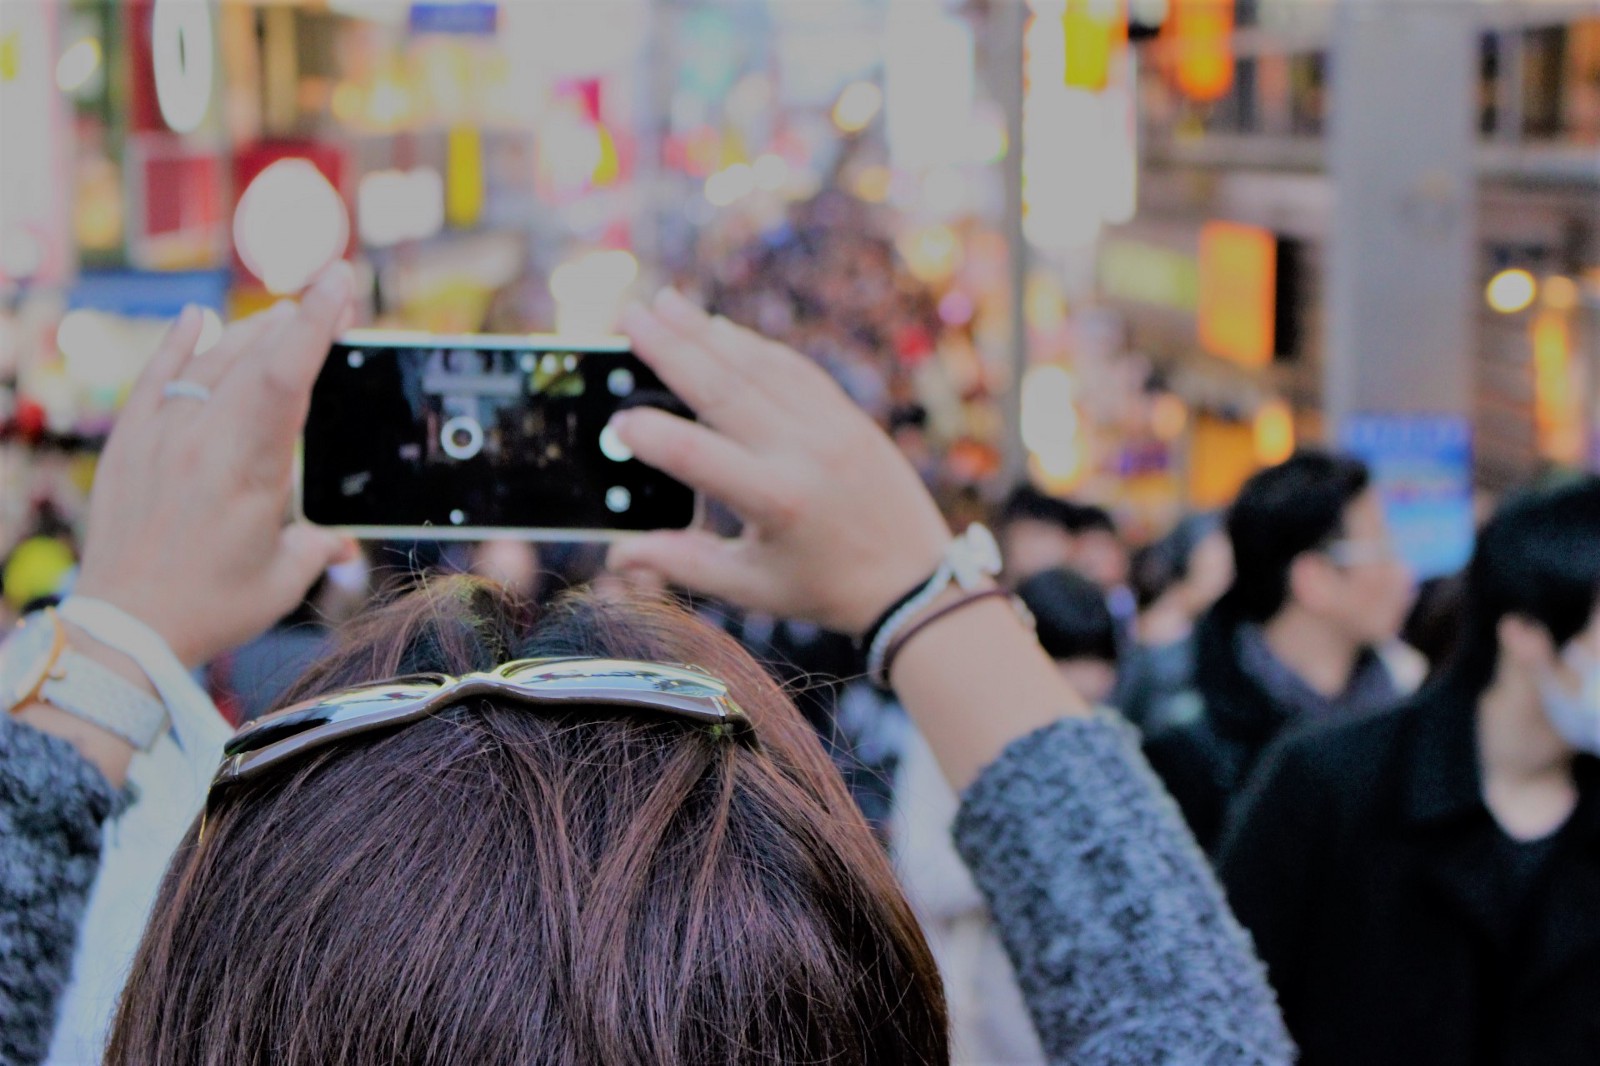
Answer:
(506, 167)
(1225, 276)
(1229, 277)
(1163, 289)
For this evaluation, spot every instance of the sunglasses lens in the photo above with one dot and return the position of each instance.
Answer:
(627, 677)
(338, 707)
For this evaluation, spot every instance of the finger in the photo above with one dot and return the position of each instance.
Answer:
(708, 462)
(265, 399)
(699, 375)
(170, 355)
(349, 551)
(210, 366)
(783, 374)
(738, 348)
(304, 552)
(695, 560)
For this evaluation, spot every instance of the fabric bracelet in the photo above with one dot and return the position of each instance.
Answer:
(902, 639)
(864, 645)
(878, 652)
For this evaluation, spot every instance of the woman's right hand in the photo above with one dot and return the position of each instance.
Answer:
(837, 527)
(837, 523)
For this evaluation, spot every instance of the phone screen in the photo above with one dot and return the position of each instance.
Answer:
(448, 435)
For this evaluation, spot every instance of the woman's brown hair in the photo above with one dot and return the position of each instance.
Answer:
(500, 885)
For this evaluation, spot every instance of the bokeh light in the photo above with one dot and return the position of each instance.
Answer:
(291, 222)
(857, 106)
(1511, 291)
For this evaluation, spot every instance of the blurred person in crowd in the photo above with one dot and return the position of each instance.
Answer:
(1423, 884)
(1175, 581)
(248, 681)
(1036, 532)
(988, 1019)
(1076, 629)
(666, 869)
(1098, 552)
(1305, 633)
(1434, 624)
(514, 564)
(908, 428)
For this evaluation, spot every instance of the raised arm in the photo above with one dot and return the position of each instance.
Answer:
(1125, 948)
(186, 534)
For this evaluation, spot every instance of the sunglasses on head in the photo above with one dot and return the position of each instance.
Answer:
(674, 691)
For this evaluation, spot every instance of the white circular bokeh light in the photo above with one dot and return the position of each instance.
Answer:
(291, 222)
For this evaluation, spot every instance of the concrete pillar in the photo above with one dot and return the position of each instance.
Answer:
(1401, 270)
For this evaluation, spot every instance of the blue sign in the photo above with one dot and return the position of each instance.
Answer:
(468, 17)
(148, 293)
(1422, 468)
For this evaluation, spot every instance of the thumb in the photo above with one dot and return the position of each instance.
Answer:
(304, 552)
(696, 560)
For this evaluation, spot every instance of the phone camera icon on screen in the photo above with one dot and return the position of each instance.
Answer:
(461, 438)
(612, 448)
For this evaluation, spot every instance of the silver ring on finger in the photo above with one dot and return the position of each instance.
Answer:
(186, 390)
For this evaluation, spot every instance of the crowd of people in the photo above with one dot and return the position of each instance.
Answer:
(1192, 803)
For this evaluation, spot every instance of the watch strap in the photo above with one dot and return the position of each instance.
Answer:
(196, 722)
(98, 695)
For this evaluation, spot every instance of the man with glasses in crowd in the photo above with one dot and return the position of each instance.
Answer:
(1306, 633)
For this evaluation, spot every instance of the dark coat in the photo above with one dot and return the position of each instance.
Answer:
(1371, 873)
(1204, 762)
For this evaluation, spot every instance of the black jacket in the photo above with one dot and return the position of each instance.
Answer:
(1205, 762)
(1373, 877)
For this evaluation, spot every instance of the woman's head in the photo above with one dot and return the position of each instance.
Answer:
(499, 884)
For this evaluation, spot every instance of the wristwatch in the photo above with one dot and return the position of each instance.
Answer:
(36, 665)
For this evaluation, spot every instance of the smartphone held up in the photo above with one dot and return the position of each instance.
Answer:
(472, 437)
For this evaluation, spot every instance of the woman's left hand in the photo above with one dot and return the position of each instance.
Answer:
(187, 520)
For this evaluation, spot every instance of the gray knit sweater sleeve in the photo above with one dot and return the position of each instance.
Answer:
(1123, 946)
(52, 805)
